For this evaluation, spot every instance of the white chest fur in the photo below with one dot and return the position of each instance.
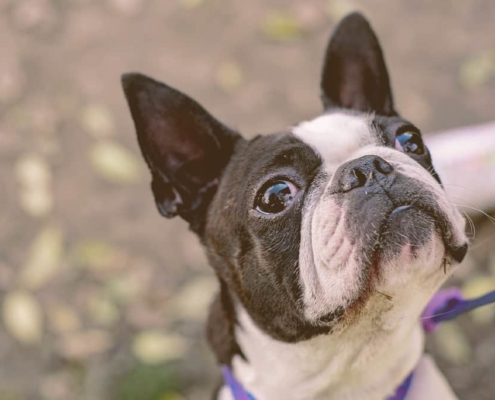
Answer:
(347, 365)
(358, 363)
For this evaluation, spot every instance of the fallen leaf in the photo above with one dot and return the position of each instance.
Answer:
(477, 70)
(98, 121)
(452, 344)
(114, 163)
(194, 299)
(93, 253)
(34, 176)
(127, 7)
(36, 201)
(32, 169)
(229, 76)
(154, 347)
(63, 319)
(103, 312)
(338, 9)
(82, 345)
(282, 26)
(124, 289)
(475, 287)
(22, 317)
(191, 4)
(44, 258)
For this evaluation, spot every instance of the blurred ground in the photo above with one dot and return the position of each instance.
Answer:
(101, 298)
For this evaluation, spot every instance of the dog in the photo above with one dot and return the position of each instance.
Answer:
(328, 238)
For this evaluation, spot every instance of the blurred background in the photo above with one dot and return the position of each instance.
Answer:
(101, 298)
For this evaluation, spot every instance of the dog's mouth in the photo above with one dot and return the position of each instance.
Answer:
(413, 225)
(410, 225)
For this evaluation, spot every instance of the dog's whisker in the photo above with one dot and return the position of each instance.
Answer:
(483, 242)
(488, 216)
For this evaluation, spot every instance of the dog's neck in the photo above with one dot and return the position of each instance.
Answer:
(367, 360)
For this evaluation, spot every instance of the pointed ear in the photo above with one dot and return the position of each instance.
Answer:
(186, 149)
(354, 72)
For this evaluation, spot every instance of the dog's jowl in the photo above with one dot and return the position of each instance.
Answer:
(328, 238)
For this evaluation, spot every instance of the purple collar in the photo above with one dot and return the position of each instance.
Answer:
(445, 305)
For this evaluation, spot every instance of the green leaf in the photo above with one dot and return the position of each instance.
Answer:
(477, 70)
(191, 4)
(282, 26)
(114, 163)
(452, 344)
(338, 9)
(44, 258)
(475, 287)
(229, 76)
(193, 300)
(93, 253)
(153, 347)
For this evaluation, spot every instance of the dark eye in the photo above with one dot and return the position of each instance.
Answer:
(410, 142)
(275, 197)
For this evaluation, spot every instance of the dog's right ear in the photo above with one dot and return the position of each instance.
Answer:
(354, 72)
(186, 149)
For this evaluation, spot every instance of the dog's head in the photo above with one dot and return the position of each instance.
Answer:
(309, 226)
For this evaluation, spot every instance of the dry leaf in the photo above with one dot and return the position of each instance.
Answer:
(229, 76)
(282, 26)
(44, 258)
(191, 4)
(193, 300)
(63, 319)
(93, 253)
(114, 163)
(98, 121)
(452, 344)
(477, 70)
(476, 287)
(338, 9)
(22, 317)
(83, 345)
(153, 347)
(36, 201)
(34, 176)
(103, 312)
(124, 289)
(32, 170)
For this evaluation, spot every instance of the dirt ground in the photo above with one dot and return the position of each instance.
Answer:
(103, 299)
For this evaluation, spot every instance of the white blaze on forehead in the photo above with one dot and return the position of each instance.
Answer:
(335, 136)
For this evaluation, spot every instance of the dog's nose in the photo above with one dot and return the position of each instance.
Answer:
(360, 172)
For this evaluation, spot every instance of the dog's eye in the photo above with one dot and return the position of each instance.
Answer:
(410, 142)
(275, 197)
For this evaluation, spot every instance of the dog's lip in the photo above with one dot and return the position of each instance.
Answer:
(456, 251)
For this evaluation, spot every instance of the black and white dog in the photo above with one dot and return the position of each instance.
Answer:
(328, 238)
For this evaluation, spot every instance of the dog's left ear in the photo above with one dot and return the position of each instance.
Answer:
(354, 72)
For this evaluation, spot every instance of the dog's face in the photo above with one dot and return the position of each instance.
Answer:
(308, 226)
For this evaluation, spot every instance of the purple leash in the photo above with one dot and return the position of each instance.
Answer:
(444, 306)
